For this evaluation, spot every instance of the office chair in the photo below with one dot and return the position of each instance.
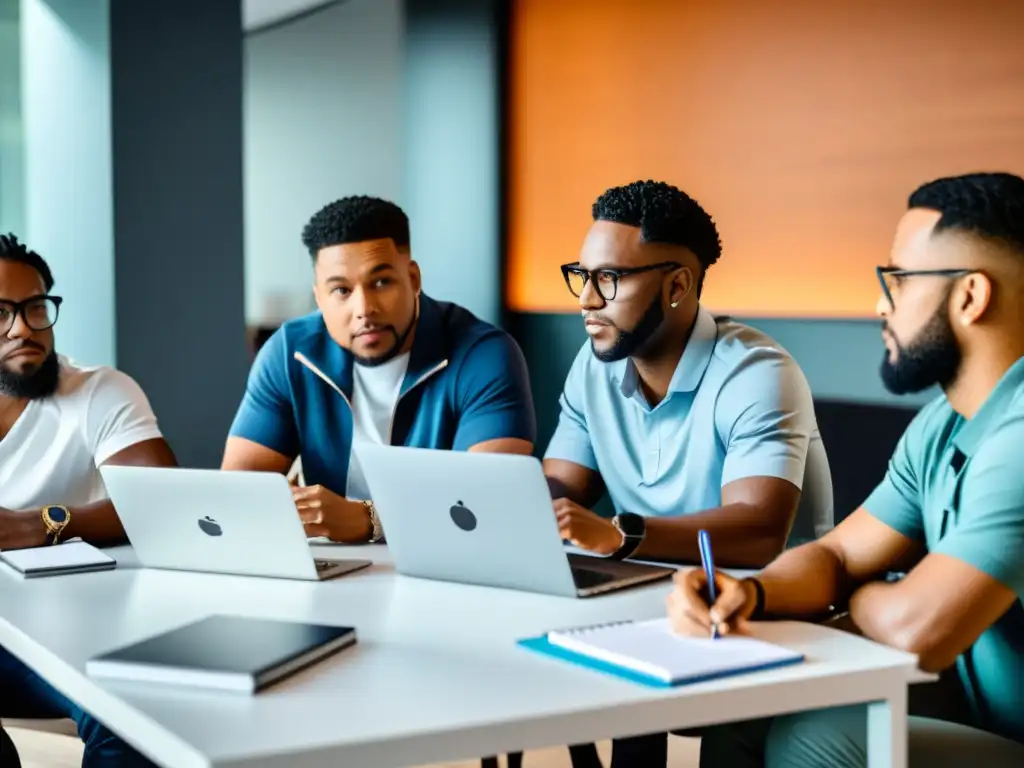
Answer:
(8, 752)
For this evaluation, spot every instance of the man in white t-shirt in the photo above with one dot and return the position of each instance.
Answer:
(58, 424)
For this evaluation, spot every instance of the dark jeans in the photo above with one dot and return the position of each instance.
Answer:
(23, 694)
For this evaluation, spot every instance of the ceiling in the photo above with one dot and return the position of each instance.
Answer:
(257, 14)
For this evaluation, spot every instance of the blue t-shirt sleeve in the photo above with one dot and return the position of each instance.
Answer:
(989, 533)
(571, 441)
(765, 417)
(493, 394)
(896, 501)
(266, 415)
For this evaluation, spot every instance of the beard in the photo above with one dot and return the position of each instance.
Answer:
(932, 357)
(628, 343)
(33, 385)
(394, 349)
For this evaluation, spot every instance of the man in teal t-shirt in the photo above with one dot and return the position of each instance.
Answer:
(950, 510)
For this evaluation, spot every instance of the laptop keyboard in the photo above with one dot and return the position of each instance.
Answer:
(586, 578)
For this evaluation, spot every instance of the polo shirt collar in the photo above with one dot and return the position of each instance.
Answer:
(969, 437)
(692, 363)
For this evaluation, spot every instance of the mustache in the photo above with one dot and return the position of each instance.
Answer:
(594, 317)
(25, 345)
(375, 329)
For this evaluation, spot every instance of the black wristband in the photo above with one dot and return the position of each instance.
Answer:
(758, 611)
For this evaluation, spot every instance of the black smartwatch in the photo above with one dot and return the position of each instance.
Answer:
(633, 527)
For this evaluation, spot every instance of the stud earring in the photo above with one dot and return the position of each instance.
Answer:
(674, 304)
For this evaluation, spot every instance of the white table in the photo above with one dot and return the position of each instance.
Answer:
(436, 674)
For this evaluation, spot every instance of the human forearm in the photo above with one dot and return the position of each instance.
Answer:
(96, 523)
(742, 535)
(804, 582)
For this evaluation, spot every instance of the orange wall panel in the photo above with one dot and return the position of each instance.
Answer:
(800, 125)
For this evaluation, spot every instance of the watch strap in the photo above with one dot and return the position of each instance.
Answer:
(54, 526)
(758, 612)
(629, 543)
(377, 532)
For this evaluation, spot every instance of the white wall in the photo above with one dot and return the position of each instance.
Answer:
(323, 104)
(12, 214)
(65, 71)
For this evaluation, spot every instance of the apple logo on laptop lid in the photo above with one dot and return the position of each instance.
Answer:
(209, 526)
(463, 517)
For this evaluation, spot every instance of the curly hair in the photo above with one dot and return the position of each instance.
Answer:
(988, 205)
(353, 220)
(664, 214)
(12, 250)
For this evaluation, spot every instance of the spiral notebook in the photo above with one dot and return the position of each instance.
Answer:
(649, 652)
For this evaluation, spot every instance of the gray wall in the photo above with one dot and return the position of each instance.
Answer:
(452, 149)
(177, 125)
(381, 97)
(323, 111)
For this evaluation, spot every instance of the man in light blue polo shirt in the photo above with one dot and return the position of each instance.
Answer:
(950, 508)
(687, 422)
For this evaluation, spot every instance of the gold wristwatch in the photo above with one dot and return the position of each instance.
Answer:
(56, 518)
(377, 534)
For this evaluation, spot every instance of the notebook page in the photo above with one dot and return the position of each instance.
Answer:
(651, 648)
(74, 554)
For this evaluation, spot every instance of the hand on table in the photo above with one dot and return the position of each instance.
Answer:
(690, 614)
(583, 529)
(19, 530)
(324, 513)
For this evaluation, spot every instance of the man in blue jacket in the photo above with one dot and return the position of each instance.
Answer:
(378, 362)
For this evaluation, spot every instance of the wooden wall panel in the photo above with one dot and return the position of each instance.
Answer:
(800, 125)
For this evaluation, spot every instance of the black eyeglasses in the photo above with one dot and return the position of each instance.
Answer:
(890, 278)
(38, 312)
(606, 281)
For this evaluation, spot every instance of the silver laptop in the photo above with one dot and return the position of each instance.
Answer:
(242, 523)
(482, 518)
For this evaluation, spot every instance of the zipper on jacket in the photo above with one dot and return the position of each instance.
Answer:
(436, 369)
(305, 361)
(391, 423)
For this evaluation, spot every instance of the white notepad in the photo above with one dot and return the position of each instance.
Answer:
(53, 560)
(651, 649)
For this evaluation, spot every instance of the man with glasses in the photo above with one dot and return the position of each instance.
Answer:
(59, 423)
(950, 508)
(686, 421)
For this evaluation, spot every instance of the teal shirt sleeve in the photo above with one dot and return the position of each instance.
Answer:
(989, 531)
(571, 441)
(764, 415)
(265, 415)
(897, 499)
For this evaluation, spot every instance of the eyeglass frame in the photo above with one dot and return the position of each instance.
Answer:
(899, 272)
(19, 307)
(617, 273)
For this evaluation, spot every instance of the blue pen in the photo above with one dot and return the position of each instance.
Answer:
(704, 545)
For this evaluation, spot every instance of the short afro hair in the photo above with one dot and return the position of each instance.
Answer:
(988, 205)
(12, 250)
(353, 220)
(664, 214)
